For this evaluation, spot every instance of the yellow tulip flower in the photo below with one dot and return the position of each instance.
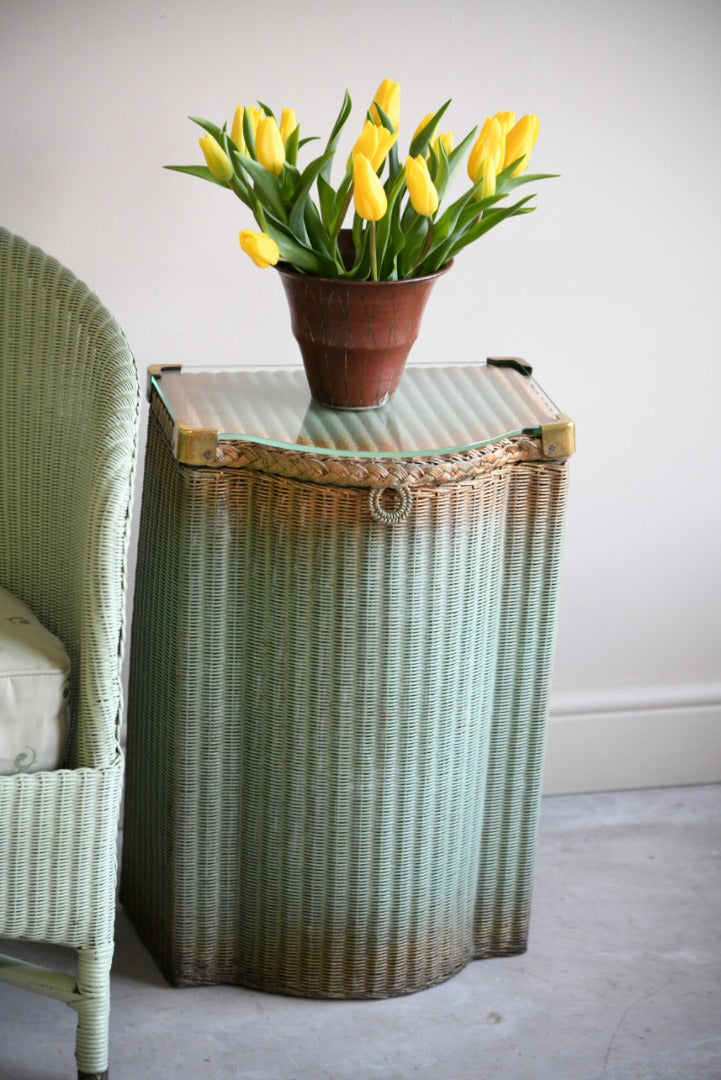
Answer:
(446, 138)
(216, 158)
(236, 129)
(256, 115)
(506, 120)
(490, 145)
(520, 141)
(369, 197)
(487, 178)
(422, 192)
(269, 146)
(288, 124)
(374, 143)
(388, 96)
(261, 248)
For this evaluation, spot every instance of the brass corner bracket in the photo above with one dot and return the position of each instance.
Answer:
(194, 446)
(559, 437)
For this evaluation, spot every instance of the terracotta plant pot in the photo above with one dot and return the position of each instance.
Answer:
(354, 336)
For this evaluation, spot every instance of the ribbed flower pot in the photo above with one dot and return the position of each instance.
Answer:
(354, 336)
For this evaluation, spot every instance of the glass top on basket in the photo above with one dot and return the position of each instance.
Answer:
(437, 409)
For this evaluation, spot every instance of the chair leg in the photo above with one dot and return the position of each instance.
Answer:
(93, 1009)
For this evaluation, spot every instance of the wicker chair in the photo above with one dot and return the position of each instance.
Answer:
(69, 408)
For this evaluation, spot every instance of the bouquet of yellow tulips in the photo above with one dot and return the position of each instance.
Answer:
(399, 228)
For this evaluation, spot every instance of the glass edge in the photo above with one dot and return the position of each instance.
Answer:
(156, 382)
(331, 451)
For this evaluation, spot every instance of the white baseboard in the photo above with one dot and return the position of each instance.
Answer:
(611, 741)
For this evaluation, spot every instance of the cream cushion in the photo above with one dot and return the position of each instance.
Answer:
(34, 687)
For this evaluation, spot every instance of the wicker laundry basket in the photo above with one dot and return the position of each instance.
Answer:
(339, 677)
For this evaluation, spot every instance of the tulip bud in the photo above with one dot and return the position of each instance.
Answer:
(288, 124)
(216, 158)
(269, 146)
(369, 197)
(236, 129)
(388, 96)
(520, 141)
(423, 195)
(506, 120)
(374, 143)
(490, 144)
(261, 248)
(256, 115)
(446, 138)
(487, 179)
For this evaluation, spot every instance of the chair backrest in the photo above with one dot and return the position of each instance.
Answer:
(69, 410)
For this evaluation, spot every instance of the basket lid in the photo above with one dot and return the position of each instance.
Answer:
(437, 409)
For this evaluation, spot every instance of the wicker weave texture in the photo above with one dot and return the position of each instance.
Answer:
(336, 725)
(69, 408)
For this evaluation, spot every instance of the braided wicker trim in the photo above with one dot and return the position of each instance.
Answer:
(378, 472)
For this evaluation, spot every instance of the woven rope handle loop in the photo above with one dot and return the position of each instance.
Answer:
(403, 500)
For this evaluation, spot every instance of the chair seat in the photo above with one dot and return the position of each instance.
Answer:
(34, 687)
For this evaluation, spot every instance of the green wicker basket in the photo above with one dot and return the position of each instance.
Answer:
(339, 678)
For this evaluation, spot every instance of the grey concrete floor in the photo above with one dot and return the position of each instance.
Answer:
(621, 981)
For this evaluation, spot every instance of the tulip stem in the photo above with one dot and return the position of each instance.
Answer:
(374, 255)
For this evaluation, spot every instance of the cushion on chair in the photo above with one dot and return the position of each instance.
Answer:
(34, 687)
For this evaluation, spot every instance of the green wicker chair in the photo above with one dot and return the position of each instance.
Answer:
(69, 408)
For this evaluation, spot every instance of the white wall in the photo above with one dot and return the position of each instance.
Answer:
(611, 290)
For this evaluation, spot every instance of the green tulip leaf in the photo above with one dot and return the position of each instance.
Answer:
(415, 237)
(243, 191)
(311, 172)
(345, 111)
(488, 221)
(327, 200)
(201, 171)
(448, 220)
(288, 181)
(361, 268)
(527, 178)
(299, 255)
(394, 243)
(419, 144)
(297, 226)
(211, 128)
(341, 202)
(455, 158)
(292, 145)
(384, 226)
(317, 235)
(385, 119)
(394, 165)
(266, 108)
(326, 197)
(248, 135)
(302, 191)
(292, 174)
(506, 174)
(467, 214)
(439, 168)
(265, 186)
